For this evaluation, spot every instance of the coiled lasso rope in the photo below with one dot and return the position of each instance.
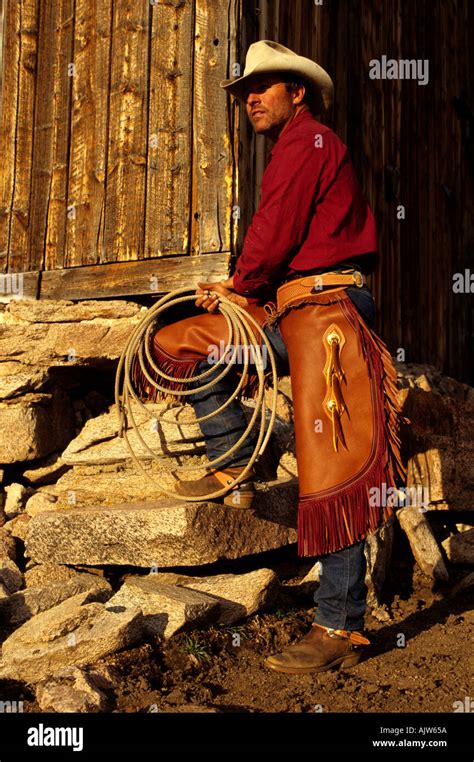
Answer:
(239, 323)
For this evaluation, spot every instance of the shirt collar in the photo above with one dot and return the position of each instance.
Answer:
(303, 115)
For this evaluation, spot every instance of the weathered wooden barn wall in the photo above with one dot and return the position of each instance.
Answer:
(124, 163)
(115, 135)
(412, 145)
(1, 49)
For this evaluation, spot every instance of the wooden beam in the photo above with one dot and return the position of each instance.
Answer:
(150, 276)
(18, 286)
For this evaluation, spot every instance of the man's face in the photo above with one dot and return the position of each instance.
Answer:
(269, 104)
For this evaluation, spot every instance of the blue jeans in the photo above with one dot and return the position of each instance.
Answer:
(342, 593)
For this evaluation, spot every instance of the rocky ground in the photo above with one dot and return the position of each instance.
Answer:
(114, 597)
(220, 669)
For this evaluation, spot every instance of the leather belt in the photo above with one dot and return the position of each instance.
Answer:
(313, 284)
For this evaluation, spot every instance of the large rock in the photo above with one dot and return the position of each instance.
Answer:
(124, 481)
(64, 311)
(76, 632)
(7, 545)
(422, 542)
(16, 498)
(98, 446)
(34, 425)
(76, 689)
(460, 548)
(305, 586)
(378, 552)
(47, 471)
(238, 595)
(39, 502)
(3, 592)
(43, 575)
(115, 483)
(45, 344)
(17, 378)
(98, 442)
(166, 608)
(18, 526)
(164, 532)
(464, 584)
(439, 442)
(24, 604)
(10, 575)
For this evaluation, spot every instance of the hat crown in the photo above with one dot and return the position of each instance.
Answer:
(264, 51)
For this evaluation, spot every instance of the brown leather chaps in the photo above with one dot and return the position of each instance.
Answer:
(346, 414)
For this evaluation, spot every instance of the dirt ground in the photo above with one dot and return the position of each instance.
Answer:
(427, 675)
(209, 670)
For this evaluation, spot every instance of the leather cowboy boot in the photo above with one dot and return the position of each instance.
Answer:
(240, 495)
(319, 650)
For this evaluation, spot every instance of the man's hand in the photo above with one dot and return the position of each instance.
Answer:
(210, 302)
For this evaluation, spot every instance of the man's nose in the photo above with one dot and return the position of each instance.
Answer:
(253, 99)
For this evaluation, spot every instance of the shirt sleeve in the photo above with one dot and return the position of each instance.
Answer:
(293, 181)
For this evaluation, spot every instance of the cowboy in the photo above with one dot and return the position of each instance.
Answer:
(302, 274)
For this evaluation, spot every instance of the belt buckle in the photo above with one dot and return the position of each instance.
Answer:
(358, 279)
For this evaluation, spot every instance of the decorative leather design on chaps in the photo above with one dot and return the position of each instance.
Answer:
(347, 419)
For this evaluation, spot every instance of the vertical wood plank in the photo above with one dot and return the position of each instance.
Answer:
(59, 105)
(21, 218)
(262, 144)
(212, 154)
(42, 139)
(236, 127)
(2, 20)
(395, 148)
(19, 114)
(89, 133)
(12, 22)
(124, 232)
(169, 144)
(245, 139)
(460, 174)
(51, 137)
(424, 175)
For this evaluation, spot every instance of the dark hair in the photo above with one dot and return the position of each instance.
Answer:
(312, 96)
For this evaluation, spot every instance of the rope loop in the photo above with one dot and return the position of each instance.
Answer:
(241, 333)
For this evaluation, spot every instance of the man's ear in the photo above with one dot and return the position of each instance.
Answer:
(299, 93)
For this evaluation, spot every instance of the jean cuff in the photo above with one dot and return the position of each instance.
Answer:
(354, 627)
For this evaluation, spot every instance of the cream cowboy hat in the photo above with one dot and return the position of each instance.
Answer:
(267, 56)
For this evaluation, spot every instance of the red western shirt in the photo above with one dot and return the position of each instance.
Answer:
(312, 211)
